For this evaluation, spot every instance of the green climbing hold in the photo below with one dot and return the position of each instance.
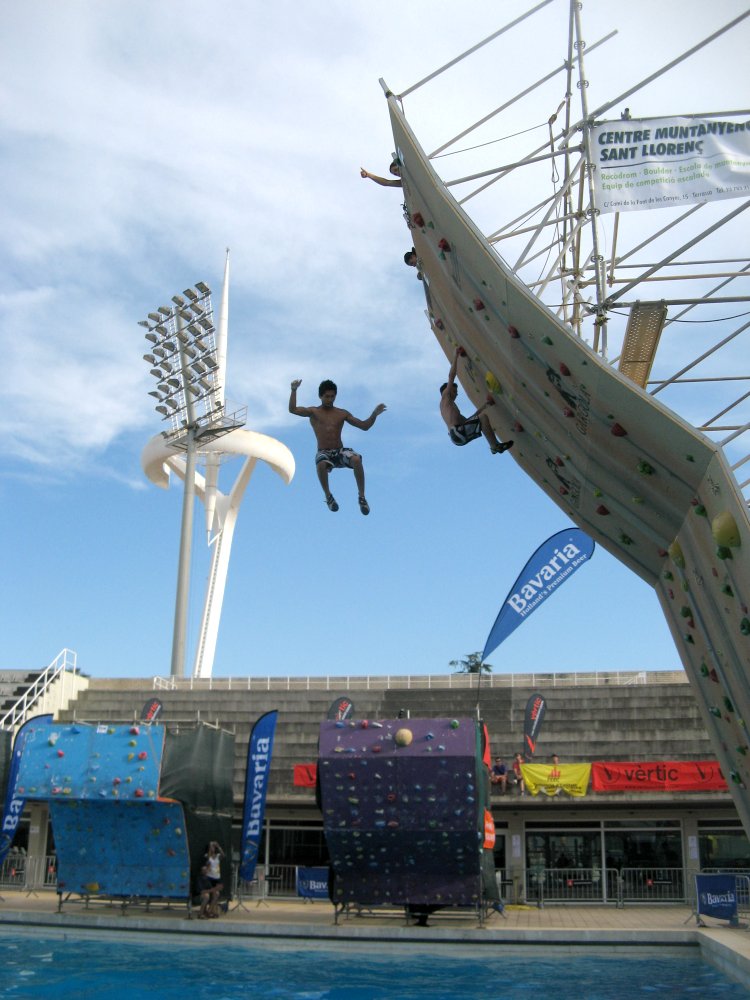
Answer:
(745, 626)
(723, 552)
(700, 510)
(645, 469)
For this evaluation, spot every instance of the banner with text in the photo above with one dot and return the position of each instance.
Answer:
(552, 779)
(716, 896)
(666, 162)
(552, 564)
(15, 797)
(657, 776)
(259, 753)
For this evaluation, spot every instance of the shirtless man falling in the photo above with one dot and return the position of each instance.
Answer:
(462, 430)
(327, 421)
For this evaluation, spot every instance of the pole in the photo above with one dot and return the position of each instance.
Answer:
(179, 635)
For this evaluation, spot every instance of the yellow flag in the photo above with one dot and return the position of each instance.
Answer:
(552, 779)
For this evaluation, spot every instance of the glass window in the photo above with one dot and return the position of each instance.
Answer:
(724, 849)
(643, 849)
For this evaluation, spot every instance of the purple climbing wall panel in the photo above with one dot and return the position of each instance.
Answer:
(401, 810)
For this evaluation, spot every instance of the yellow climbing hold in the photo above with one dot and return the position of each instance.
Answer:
(675, 554)
(725, 531)
(492, 384)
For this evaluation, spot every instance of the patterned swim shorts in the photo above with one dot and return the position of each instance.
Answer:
(470, 430)
(337, 458)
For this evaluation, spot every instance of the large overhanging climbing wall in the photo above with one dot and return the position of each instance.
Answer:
(638, 479)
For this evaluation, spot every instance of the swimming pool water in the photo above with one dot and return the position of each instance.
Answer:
(128, 967)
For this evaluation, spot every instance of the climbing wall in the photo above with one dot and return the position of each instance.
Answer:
(113, 835)
(103, 762)
(403, 809)
(121, 848)
(640, 481)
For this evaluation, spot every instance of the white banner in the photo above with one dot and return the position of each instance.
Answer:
(667, 162)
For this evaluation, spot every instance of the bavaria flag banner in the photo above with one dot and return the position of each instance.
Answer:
(14, 797)
(259, 753)
(553, 562)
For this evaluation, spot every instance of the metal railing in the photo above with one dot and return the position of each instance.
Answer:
(611, 885)
(64, 662)
(28, 873)
(421, 682)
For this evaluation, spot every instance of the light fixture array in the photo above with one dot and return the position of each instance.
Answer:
(182, 358)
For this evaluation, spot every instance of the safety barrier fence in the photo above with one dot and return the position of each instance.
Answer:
(24, 871)
(420, 682)
(609, 885)
(534, 886)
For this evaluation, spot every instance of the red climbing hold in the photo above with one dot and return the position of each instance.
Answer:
(461, 352)
(513, 332)
(564, 370)
(444, 245)
(517, 427)
(417, 219)
(478, 305)
(567, 412)
(618, 430)
(601, 509)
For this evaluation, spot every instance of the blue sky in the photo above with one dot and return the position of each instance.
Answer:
(139, 140)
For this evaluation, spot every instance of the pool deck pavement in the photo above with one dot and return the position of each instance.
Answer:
(560, 927)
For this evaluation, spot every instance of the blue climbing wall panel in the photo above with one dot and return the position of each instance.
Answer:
(103, 762)
(402, 810)
(121, 848)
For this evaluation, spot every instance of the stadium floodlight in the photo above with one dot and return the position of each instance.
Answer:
(190, 400)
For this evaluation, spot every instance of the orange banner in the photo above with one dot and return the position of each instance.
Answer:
(663, 775)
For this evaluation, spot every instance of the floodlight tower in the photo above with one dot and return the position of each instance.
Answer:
(187, 357)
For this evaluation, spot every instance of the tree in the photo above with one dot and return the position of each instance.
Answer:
(471, 664)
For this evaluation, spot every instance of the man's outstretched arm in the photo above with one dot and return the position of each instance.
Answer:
(365, 425)
(301, 411)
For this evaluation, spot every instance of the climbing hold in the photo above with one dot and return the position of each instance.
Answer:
(135, 730)
(699, 510)
(715, 711)
(618, 430)
(142, 755)
(567, 412)
(417, 219)
(138, 793)
(728, 705)
(513, 332)
(517, 427)
(725, 531)
(60, 753)
(724, 552)
(645, 469)
(444, 246)
(675, 554)
(547, 341)
(492, 383)
(364, 723)
(563, 369)
(403, 737)
(478, 305)
(667, 575)
(601, 509)
(686, 612)
(625, 539)
(439, 324)
(745, 626)
(726, 589)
